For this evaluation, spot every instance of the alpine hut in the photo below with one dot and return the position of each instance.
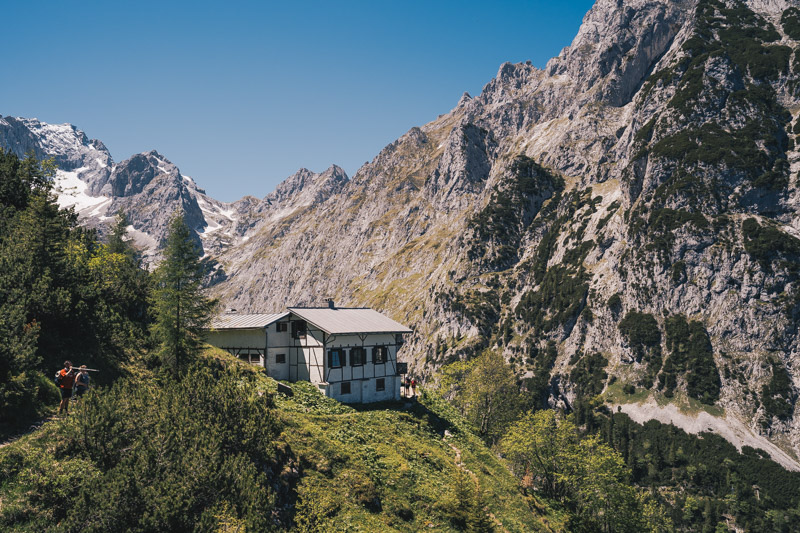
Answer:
(350, 354)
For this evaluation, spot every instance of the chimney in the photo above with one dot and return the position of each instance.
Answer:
(330, 303)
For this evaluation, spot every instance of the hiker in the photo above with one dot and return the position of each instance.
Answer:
(413, 388)
(81, 382)
(406, 385)
(65, 378)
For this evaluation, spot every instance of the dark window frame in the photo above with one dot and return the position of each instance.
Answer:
(280, 358)
(380, 355)
(341, 355)
(299, 329)
(248, 355)
(358, 356)
(281, 327)
(380, 384)
(345, 385)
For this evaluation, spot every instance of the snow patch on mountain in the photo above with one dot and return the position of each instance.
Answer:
(72, 192)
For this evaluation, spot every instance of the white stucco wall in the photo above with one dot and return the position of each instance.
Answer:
(363, 378)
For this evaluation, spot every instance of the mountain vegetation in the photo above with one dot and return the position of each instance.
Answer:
(615, 232)
(63, 294)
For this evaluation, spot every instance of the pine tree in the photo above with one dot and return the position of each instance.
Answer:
(118, 239)
(179, 307)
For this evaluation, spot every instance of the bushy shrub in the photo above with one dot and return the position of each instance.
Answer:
(154, 456)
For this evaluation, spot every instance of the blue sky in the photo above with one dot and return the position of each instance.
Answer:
(241, 94)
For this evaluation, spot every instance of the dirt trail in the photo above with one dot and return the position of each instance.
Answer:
(33, 427)
(462, 466)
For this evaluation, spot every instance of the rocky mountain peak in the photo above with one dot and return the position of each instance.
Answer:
(617, 45)
(69, 147)
(304, 188)
(131, 176)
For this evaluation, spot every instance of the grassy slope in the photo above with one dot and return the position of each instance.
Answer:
(385, 467)
(393, 466)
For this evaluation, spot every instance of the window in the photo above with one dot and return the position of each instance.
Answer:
(345, 387)
(336, 358)
(250, 356)
(380, 384)
(380, 354)
(299, 329)
(358, 356)
(281, 326)
(280, 358)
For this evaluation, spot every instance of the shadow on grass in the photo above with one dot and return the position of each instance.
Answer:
(411, 406)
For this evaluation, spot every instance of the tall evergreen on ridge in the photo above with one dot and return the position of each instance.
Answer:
(179, 308)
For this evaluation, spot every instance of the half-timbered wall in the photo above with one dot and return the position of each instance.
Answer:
(289, 354)
(363, 379)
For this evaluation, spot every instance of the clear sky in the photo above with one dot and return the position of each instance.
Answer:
(241, 94)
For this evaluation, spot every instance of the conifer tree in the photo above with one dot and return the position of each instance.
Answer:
(117, 240)
(179, 307)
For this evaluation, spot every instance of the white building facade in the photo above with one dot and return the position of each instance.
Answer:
(350, 354)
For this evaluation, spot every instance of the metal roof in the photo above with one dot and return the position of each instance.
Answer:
(342, 320)
(232, 321)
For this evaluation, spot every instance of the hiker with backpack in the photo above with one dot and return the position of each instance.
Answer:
(81, 382)
(65, 379)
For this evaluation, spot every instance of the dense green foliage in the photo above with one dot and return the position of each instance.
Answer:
(777, 395)
(584, 474)
(790, 20)
(767, 243)
(150, 455)
(63, 295)
(702, 480)
(486, 392)
(499, 226)
(589, 375)
(641, 331)
(219, 449)
(537, 386)
(643, 335)
(180, 308)
(690, 355)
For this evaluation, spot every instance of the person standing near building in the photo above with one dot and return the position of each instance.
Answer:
(65, 378)
(81, 382)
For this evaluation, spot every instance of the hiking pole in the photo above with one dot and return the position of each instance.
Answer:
(87, 369)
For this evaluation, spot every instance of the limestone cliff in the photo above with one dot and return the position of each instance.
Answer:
(634, 205)
(636, 199)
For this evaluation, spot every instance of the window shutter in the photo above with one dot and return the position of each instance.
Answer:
(342, 357)
(374, 355)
